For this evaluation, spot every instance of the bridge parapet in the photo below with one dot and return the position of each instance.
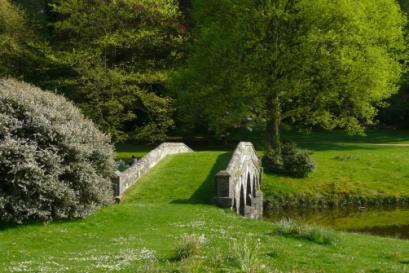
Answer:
(238, 187)
(123, 180)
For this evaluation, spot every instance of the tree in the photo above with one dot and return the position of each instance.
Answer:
(114, 57)
(309, 62)
(397, 113)
(12, 38)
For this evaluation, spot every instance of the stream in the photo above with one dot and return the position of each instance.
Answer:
(381, 222)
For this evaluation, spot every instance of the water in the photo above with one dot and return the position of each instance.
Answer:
(382, 222)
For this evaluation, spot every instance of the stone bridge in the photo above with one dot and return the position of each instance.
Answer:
(238, 187)
(123, 180)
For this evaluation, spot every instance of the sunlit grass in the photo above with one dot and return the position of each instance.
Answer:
(359, 173)
(172, 202)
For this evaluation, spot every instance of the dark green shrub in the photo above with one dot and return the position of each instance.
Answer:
(54, 163)
(296, 162)
(290, 161)
(273, 161)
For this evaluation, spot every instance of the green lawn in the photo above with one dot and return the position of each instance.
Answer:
(360, 174)
(376, 136)
(173, 200)
(126, 151)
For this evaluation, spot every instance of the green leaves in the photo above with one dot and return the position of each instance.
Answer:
(331, 63)
(120, 54)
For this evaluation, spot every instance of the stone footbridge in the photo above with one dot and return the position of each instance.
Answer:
(238, 187)
(124, 180)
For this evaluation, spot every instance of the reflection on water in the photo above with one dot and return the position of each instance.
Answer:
(382, 222)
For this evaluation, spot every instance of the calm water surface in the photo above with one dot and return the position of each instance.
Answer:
(382, 222)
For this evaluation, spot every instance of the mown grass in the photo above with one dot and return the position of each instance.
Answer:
(345, 175)
(126, 151)
(374, 136)
(173, 201)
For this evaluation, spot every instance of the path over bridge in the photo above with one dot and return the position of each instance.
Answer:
(238, 187)
(124, 180)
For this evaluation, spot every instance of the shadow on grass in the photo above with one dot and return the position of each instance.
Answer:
(323, 146)
(8, 226)
(372, 136)
(206, 191)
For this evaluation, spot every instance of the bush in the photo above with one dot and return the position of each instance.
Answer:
(290, 161)
(291, 228)
(54, 163)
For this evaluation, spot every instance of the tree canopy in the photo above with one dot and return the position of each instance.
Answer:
(12, 38)
(117, 55)
(309, 62)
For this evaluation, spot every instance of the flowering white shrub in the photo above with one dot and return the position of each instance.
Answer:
(54, 163)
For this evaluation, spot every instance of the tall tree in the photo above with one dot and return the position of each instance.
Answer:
(13, 37)
(115, 56)
(313, 62)
(397, 113)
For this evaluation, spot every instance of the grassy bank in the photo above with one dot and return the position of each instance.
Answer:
(350, 171)
(161, 214)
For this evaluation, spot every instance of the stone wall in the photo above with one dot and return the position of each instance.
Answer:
(123, 180)
(238, 187)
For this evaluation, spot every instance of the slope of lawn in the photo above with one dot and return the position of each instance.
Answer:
(366, 173)
(172, 201)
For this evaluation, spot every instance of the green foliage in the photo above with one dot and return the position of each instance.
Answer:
(292, 228)
(12, 37)
(112, 58)
(54, 163)
(289, 160)
(305, 62)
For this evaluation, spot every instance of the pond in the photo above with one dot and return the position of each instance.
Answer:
(382, 222)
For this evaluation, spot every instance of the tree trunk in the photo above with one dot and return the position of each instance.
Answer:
(273, 124)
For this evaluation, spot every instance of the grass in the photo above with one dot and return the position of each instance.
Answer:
(295, 229)
(126, 151)
(347, 219)
(174, 201)
(189, 246)
(374, 136)
(347, 174)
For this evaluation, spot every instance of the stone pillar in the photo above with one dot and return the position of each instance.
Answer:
(116, 184)
(223, 198)
(258, 205)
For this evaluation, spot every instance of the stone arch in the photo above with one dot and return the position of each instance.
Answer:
(234, 205)
(254, 186)
(242, 201)
(249, 191)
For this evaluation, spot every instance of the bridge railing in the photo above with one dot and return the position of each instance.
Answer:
(238, 187)
(124, 180)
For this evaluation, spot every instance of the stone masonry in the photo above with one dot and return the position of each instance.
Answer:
(238, 187)
(123, 180)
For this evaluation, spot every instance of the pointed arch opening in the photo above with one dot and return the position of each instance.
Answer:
(249, 191)
(254, 186)
(242, 201)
